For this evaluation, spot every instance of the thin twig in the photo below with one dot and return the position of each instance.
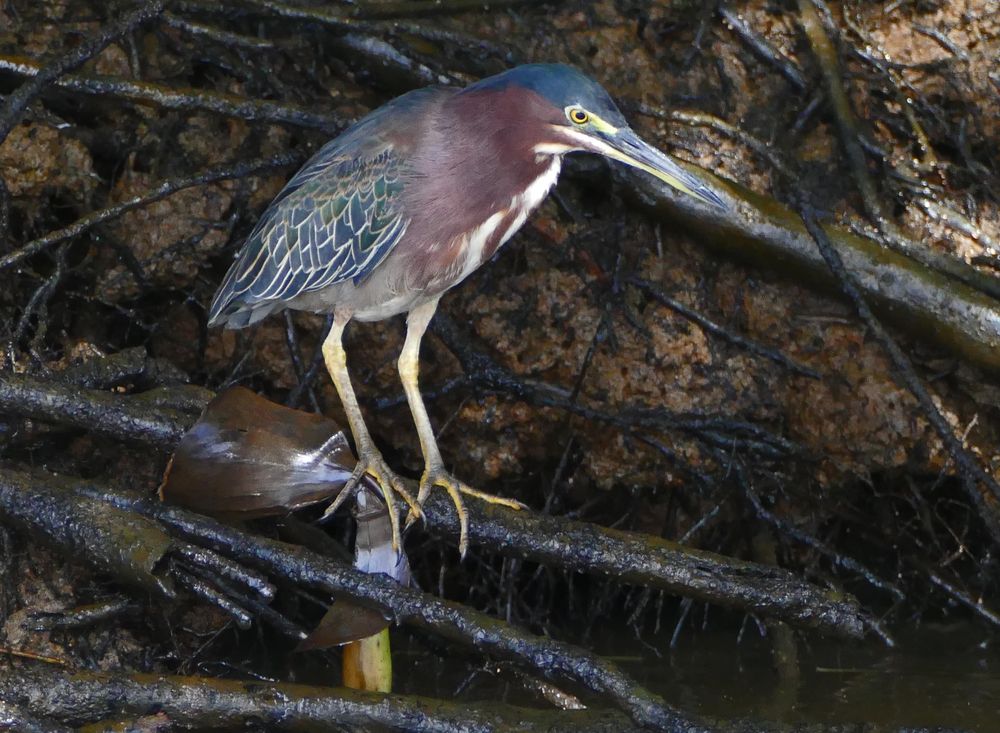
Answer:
(715, 329)
(826, 54)
(974, 604)
(16, 102)
(306, 382)
(37, 304)
(187, 99)
(762, 49)
(4, 214)
(844, 561)
(165, 189)
(424, 8)
(292, 342)
(972, 473)
(226, 38)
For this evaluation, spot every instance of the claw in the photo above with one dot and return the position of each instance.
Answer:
(390, 505)
(349, 489)
(371, 463)
(437, 476)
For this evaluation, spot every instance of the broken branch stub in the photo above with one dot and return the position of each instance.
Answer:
(125, 545)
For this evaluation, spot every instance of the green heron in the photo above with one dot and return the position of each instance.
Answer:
(407, 203)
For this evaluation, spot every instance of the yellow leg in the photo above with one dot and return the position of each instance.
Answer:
(434, 472)
(370, 460)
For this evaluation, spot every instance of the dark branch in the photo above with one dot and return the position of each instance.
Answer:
(15, 103)
(447, 619)
(166, 97)
(165, 189)
(134, 419)
(987, 498)
(202, 702)
(633, 558)
(654, 562)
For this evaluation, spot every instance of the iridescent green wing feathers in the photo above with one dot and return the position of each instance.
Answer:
(334, 221)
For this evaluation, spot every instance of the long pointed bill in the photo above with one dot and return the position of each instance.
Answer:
(624, 145)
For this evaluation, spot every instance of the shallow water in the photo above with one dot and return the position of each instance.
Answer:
(948, 677)
(944, 676)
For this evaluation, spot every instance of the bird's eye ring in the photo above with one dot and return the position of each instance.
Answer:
(578, 116)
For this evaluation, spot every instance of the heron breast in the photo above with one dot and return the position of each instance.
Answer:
(483, 241)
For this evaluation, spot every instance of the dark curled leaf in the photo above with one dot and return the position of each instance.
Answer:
(343, 623)
(249, 457)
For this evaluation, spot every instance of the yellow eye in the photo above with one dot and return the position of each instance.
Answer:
(579, 116)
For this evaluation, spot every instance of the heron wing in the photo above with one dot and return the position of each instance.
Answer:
(334, 221)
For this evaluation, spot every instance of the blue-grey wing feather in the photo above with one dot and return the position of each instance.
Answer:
(336, 220)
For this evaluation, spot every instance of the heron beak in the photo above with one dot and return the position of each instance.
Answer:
(624, 145)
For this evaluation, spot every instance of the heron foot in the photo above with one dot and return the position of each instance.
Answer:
(436, 475)
(372, 464)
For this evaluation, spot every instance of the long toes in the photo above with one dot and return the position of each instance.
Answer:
(348, 490)
(490, 498)
(415, 509)
(393, 522)
(454, 488)
(387, 488)
(439, 477)
(389, 485)
(499, 500)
